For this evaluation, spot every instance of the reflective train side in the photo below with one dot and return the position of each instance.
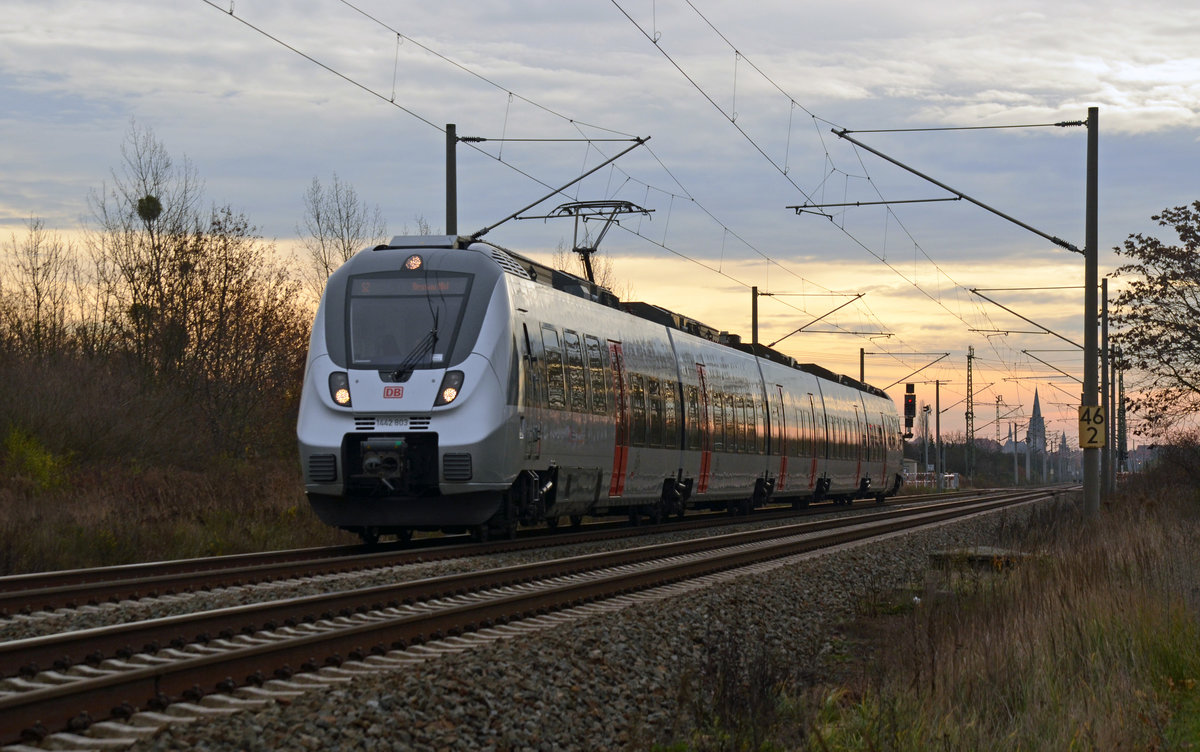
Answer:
(456, 385)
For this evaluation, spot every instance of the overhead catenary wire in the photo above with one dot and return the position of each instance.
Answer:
(470, 141)
(880, 257)
(663, 242)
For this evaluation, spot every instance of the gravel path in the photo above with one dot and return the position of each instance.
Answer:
(616, 680)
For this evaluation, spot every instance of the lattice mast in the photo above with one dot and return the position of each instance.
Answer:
(970, 412)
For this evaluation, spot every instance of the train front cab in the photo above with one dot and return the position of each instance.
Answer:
(406, 418)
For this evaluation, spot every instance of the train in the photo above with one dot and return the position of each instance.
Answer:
(452, 384)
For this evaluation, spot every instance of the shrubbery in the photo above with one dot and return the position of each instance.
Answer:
(172, 344)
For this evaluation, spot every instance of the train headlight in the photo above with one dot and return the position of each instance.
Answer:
(339, 388)
(413, 262)
(448, 391)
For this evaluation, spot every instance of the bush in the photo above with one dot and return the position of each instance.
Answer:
(28, 463)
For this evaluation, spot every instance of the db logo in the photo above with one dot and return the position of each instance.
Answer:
(393, 392)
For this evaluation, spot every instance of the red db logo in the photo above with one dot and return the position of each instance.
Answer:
(393, 392)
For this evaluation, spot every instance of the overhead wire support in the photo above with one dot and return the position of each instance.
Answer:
(584, 211)
(1026, 319)
(801, 209)
(481, 139)
(1051, 365)
(841, 133)
(835, 310)
(1063, 124)
(638, 141)
(922, 368)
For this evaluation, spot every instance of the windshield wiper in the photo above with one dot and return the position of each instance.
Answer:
(422, 348)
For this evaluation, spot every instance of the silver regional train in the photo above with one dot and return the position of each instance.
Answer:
(455, 385)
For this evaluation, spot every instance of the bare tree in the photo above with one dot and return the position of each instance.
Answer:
(337, 224)
(201, 301)
(143, 245)
(38, 276)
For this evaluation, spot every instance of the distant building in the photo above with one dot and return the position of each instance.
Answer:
(1037, 428)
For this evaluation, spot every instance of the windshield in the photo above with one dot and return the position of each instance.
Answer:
(410, 320)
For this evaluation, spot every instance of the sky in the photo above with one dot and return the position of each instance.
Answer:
(739, 102)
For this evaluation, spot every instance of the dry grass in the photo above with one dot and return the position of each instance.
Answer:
(100, 465)
(1092, 644)
(122, 515)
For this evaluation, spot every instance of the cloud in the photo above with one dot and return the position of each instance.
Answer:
(259, 121)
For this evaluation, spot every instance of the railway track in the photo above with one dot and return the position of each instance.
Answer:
(28, 593)
(129, 672)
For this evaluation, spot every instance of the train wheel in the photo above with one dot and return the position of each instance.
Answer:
(576, 520)
(369, 535)
(480, 533)
(552, 522)
(404, 536)
(635, 516)
(762, 494)
(656, 512)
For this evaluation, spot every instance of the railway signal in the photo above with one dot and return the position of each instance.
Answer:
(910, 409)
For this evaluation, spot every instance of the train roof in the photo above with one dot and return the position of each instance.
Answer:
(580, 287)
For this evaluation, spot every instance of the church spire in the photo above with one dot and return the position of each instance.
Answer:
(1037, 426)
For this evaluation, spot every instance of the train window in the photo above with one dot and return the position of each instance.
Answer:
(753, 435)
(576, 383)
(394, 320)
(670, 415)
(764, 434)
(804, 440)
(841, 438)
(692, 423)
(733, 428)
(718, 423)
(533, 375)
(556, 397)
(654, 405)
(742, 419)
(514, 376)
(596, 381)
(818, 435)
(637, 410)
(861, 438)
(759, 424)
(844, 438)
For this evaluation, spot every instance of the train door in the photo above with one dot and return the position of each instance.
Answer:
(817, 439)
(531, 421)
(705, 432)
(779, 442)
(884, 446)
(860, 441)
(616, 359)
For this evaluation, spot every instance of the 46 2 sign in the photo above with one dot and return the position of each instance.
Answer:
(1091, 427)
